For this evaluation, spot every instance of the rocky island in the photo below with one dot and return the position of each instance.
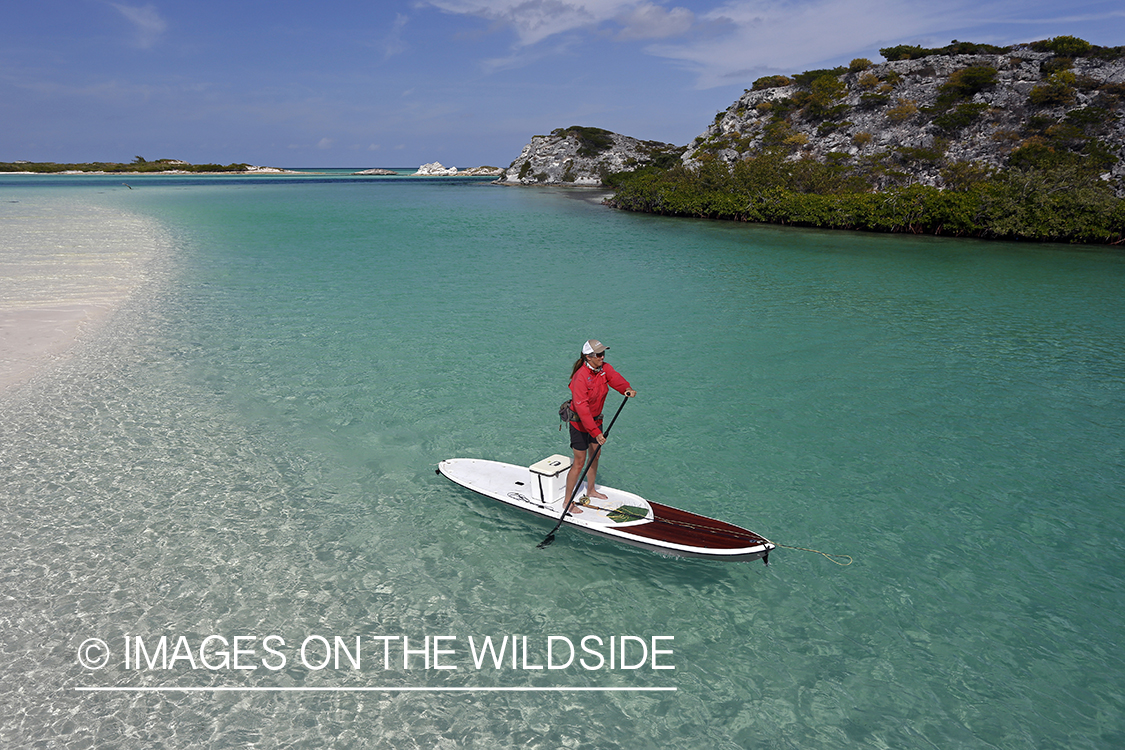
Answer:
(925, 110)
(583, 156)
(435, 169)
(139, 165)
(1020, 142)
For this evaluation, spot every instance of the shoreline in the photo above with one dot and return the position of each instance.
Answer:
(65, 268)
(252, 171)
(260, 172)
(104, 173)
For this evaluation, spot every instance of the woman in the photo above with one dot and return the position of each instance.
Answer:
(590, 381)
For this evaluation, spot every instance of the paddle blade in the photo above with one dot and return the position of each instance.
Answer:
(543, 544)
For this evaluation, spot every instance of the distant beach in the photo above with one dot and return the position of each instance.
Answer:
(64, 268)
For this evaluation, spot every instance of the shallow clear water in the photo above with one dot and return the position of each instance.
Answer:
(249, 446)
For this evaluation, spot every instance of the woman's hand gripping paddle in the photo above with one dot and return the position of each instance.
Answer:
(551, 537)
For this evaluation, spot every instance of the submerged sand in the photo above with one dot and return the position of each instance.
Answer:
(65, 267)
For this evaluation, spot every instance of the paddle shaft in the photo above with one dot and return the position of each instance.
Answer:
(593, 457)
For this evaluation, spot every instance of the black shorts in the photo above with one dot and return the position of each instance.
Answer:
(580, 440)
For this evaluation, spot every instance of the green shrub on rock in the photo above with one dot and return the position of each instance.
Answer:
(1067, 46)
(964, 84)
(771, 82)
(592, 141)
(959, 117)
(1053, 186)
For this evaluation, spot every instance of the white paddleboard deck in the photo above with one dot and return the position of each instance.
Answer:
(521, 487)
(622, 516)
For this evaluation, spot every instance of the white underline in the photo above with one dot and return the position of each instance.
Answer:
(233, 689)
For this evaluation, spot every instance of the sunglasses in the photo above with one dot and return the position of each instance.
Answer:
(598, 354)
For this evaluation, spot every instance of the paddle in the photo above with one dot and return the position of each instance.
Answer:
(551, 537)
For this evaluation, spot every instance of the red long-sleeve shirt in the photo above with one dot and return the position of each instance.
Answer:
(588, 390)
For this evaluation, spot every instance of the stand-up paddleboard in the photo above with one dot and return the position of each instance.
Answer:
(623, 516)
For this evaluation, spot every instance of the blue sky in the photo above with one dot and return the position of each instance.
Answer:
(463, 82)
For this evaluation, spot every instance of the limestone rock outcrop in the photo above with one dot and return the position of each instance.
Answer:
(435, 169)
(918, 116)
(482, 172)
(581, 156)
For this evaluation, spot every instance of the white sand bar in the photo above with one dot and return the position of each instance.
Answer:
(64, 267)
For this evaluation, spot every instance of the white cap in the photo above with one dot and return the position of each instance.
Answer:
(593, 346)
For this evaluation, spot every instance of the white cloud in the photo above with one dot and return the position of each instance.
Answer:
(393, 43)
(524, 56)
(535, 20)
(324, 143)
(731, 41)
(755, 36)
(649, 21)
(147, 23)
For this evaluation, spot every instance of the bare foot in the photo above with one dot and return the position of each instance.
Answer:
(598, 495)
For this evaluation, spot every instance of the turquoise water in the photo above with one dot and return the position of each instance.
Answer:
(248, 448)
